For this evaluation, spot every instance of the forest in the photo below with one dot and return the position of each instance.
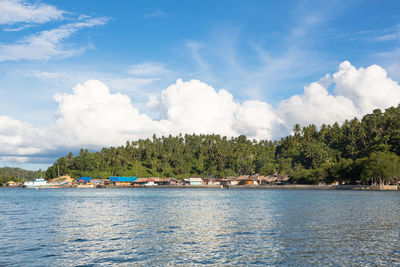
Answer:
(362, 151)
(17, 174)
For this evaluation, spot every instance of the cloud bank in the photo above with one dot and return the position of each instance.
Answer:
(92, 116)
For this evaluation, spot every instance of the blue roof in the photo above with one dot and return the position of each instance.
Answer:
(85, 179)
(122, 179)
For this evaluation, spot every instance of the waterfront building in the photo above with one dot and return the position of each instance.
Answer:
(140, 181)
(229, 180)
(213, 181)
(84, 180)
(122, 181)
(245, 180)
(194, 181)
(11, 184)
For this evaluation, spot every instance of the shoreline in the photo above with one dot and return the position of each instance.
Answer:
(291, 186)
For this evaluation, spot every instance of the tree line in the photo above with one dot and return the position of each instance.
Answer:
(17, 174)
(358, 151)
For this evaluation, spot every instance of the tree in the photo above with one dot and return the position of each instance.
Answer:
(381, 168)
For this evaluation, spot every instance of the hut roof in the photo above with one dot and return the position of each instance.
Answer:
(85, 179)
(243, 177)
(195, 179)
(122, 179)
(283, 177)
(229, 178)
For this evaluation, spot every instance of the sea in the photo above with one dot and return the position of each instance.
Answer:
(198, 227)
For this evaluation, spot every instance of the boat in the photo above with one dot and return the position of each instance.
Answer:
(42, 183)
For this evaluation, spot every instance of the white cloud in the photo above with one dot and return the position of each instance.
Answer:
(316, 106)
(368, 88)
(148, 69)
(95, 117)
(356, 93)
(19, 138)
(195, 107)
(92, 116)
(15, 11)
(47, 44)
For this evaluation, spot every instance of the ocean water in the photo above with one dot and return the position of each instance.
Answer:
(184, 227)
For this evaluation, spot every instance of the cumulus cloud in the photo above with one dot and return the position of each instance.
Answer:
(196, 107)
(15, 11)
(356, 92)
(18, 138)
(47, 44)
(92, 116)
(368, 88)
(316, 106)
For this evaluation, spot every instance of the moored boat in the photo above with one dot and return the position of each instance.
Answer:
(42, 183)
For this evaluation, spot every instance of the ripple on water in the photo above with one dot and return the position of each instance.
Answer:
(199, 227)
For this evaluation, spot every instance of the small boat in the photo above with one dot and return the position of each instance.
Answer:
(42, 183)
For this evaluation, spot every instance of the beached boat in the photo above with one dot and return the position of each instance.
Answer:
(42, 183)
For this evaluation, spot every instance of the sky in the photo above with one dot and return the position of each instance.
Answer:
(92, 74)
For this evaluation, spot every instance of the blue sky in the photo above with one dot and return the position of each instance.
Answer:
(268, 52)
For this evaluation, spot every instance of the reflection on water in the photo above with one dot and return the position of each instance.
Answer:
(198, 227)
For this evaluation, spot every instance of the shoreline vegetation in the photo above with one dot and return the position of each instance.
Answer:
(359, 152)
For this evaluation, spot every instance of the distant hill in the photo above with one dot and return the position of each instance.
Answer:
(17, 174)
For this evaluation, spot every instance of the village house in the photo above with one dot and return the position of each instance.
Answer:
(97, 182)
(194, 181)
(213, 181)
(122, 181)
(246, 180)
(150, 182)
(173, 181)
(163, 181)
(140, 182)
(265, 180)
(84, 180)
(282, 179)
(11, 184)
(229, 180)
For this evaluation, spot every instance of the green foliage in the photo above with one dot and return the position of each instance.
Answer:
(180, 156)
(17, 175)
(381, 168)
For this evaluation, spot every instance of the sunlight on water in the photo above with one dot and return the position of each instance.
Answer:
(198, 227)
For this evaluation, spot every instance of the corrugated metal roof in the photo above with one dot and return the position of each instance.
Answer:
(122, 179)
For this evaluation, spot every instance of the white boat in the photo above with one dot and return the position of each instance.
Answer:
(42, 183)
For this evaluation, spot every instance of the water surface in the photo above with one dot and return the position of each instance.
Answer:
(161, 227)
